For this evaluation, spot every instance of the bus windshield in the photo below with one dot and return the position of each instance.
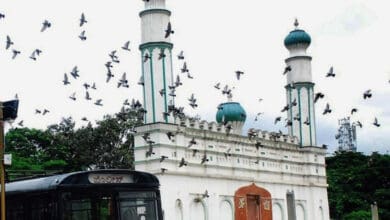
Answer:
(122, 205)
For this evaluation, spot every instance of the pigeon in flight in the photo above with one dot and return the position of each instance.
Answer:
(37, 111)
(285, 108)
(82, 20)
(294, 102)
(286, 70)
(73, 96)
(192, 100)
(161, 54)
(376, 123)
(169, 30)
(99, 102)
(93, 86)
(162, 158)
(307, 122)
(358, 123)
(46, 24)
(45, 111)
(367, 94)
(204, 159)
(109, 75)
(86, 86)
(181, 55)
(182, 162)
(217, 86)
(20, 123)
(84, 119)
(87, 96)
(147, 57)
(2, 15)
(192, 142)
(354, 110)
(15, 53)
(123, 81)
(75, 72)
(327, 109)
(330, 73)
(82, 36)
(141, 81)
(277, 119)
(113, 56)
(178, 82)
(126, 46)
(8, 43)
(189, 76)
(238, 74)
(162, 92)
(66, 80)
(35, 53)
(317, 96)
(184, 69)
(170, 135)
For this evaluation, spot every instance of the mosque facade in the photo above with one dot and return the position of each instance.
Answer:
(211, 170)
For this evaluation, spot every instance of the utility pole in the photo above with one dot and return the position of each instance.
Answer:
(2, 170)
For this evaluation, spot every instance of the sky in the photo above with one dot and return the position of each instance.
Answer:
(218, 37)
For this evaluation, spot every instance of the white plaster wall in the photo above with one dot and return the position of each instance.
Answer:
(154, 26)
(148, 89)
(154, 4)
(300, 70)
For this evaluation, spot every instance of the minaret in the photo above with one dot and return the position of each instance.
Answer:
(156, 51)
(300, 88)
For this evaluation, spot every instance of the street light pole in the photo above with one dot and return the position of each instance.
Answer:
(2, 170)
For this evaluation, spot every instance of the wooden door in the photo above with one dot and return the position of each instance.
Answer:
(253, 208)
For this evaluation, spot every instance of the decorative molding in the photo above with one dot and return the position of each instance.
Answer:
(153, 45)
(155, 10)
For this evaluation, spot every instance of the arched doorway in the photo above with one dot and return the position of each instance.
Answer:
(252, 203)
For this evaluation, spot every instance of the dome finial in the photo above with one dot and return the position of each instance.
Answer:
(296, 23)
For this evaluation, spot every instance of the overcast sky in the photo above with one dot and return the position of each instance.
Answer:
(218, 37)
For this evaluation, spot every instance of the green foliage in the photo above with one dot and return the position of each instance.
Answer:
(62, 147)
(358, 215)
(356, 181)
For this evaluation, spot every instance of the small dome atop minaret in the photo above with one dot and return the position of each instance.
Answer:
(297, 36)
(230, 112)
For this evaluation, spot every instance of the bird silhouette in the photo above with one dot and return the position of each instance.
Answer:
(330, 73)
(307, 122)
(285, 108)
(194, 151)
(327, 109)
(367, 94)
(184, 69)
(182, 162)
(146, 57)
(37, 111)
(162, 158)
(189, 76)
(126, 46)
(163, 170)
(169, 30)
(123, 81)
(258, 145)
(161, 54)
(35, 53)
(46, 24)
(277, 119)
(83, 20)
(287, 69)
(45, 111)
(73, 96)
(109, 75)
(178, 81)
(204, 159)
(294, 102)
(99, 102)
(170, 135)
(75, 72)
(354, 110)
(15, 53)
(150, 152)
(114, 57)
(2, 15)
(180, 56)
(82, 36)
(66, 80)
(87, 96)
(20, 123)
(359, 124)
(141, 81)
(217, 86)
(238, 74)
(297, 117)
(376, 123)
(317, 96)
(8, 43)
(192, 142)
(84, 119)
(86, 86)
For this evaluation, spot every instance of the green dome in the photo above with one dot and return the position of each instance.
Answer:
(230, 111)
(297, 37)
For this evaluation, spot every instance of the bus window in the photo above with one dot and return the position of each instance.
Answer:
(137, 205)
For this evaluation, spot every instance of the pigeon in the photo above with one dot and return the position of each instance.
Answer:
(367, 94)
(82, 20)
(147, 57)
(93, 86)
(66, 80)
(86, 86)
(180, 56)
(99, 102)
(297, 118)
(258, 145)
(45, 111)
(170, 135)
(46, 24)
(204, 159)
(194, 151)
(277, 119)
(285, 108)
(184, 69)
(126, 46)
(294, 102)
(87, 97)
(317, 96)
(109, 75)
(2, 15)
(330, 73)
(169, 30)
(84, 119)
(162, 158)
(217, 86)
(307, 122)
(126, 102)
(288, 123)
(8, 43)
(146, 136)
(192, 142)
(189, 76)
(108, 65)
(162, 92)
(113, 56)
(161, 54)
(141, 81)
(376, 123)
(37, 111)
(15, 53)
(182, 162)
(327, 109)
(75, 72)
(163, 170)
(358, 123)
(354, 110)
(123, 81)
(20, 123)
(35, 53)
(150, 151)
(287, 69)
(178, 82)
(238, 74)
(73, 96)
(82, 36)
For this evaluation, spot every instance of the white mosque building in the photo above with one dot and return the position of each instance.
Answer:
(210, 170)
